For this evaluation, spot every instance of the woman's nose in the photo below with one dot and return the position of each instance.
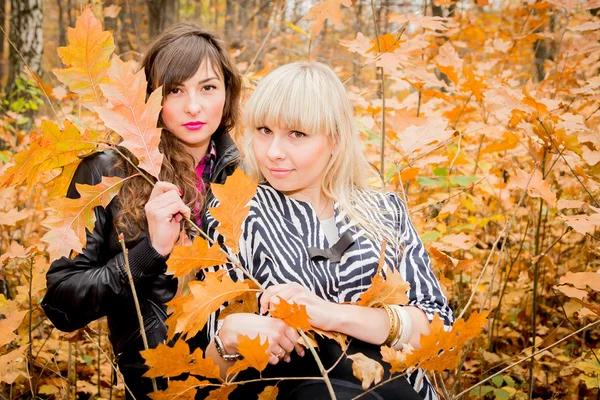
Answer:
(275, 150)
(193, 106)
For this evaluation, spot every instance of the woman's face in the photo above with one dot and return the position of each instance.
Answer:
(292, 162)
(193, 110)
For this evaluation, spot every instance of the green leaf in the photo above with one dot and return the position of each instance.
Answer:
(440, 171)
(482, 391)
(463, 180)
(437, 181)
(509, 381)
(502, 394)
(498, 380)
(431, 236)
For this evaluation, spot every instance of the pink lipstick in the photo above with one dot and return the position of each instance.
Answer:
(194, 125)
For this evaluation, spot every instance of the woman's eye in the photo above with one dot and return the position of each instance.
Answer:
(175, 91)
(263, 130)
(208, 88)
(297, 135)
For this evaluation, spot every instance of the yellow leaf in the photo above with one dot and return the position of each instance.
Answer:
(366, 369)
(167, 361)
(233, 198)
(221, 393)
(292, 314)
(328, 9)
(87, 57)
(255, 355)
(12, 365)
(184, 259)
(296, 28)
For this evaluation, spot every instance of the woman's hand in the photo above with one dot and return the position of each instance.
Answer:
(323, 314)
(282, 338)
(164, 213)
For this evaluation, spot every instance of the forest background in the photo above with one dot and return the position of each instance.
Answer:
(482, 114)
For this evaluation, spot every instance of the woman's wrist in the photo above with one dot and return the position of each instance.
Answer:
(228, 334)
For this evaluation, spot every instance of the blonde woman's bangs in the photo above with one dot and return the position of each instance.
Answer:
(294, 98)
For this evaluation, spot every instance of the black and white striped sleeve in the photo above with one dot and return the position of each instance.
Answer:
(414, 264)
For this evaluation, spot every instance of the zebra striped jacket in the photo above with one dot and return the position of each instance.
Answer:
(279, 229)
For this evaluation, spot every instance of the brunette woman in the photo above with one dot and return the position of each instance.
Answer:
(201, 89)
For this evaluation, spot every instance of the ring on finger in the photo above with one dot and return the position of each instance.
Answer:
(280, 355)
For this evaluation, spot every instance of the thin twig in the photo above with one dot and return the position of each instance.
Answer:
(135, 299)
(319, 363)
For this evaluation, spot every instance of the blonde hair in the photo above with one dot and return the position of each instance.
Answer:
(309, 97)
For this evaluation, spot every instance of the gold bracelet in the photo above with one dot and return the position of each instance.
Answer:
(393, 318)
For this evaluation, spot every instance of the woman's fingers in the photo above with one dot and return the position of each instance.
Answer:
(162, 187)
(293, 337)
(284, 291)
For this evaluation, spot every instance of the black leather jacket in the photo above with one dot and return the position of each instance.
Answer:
(94, 283)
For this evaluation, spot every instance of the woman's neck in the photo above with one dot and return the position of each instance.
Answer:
(322, 204)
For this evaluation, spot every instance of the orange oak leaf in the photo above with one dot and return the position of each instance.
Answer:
(72, 217)
(221, 393)
(389, 290)
(473, 83)
(440, 350)
(538, 187)
(233, 208)
(384, 44)
(12, 365)
(131, 116)
(366, 369)
(449, 62)
(15, 250)
(270, 393)
(184, 259)
(255, 355)
(582, 223)
(167, 361)
(204, 367)
(246, 303)
(54, 148)
(13, 216)
(292, 314)
(361, 45)
(328, 9)
(191, 312)
(185, 390)
(416, 138)
(87, 57)
(340, 338)
(12, 320)
(396, 358)
(581, 280)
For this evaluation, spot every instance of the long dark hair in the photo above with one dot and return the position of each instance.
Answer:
(172, 58)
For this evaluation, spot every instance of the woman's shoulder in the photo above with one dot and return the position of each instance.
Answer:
(380, 198)
(93, 167)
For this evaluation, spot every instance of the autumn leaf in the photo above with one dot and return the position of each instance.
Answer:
(185, 390)
(221, 393)
(292, 314)
(416, 138)
(12, 365)
(72, 217)
(131, 116)
(389, 290)
(167, 361)
(245, 303)
(384, 44)
(87, 57)
(54, 148)
(440, 350)
(191, 312)
(11, 321)
(184, 259)
(396, 358)
(582, 280)
(13, 216)
(366, 369)
(255, 355)
(202, 366)
(270, 393)
(233, 198)
(340, 338)
(538, 187)
(449, 62)
(328, 9)
(361, 45)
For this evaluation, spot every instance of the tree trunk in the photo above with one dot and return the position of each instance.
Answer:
(2, 47)
(161, 14)
(27, 35)
(229, 19)
(62, 31)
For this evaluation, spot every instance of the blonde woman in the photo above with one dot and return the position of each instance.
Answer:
(314, 237)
